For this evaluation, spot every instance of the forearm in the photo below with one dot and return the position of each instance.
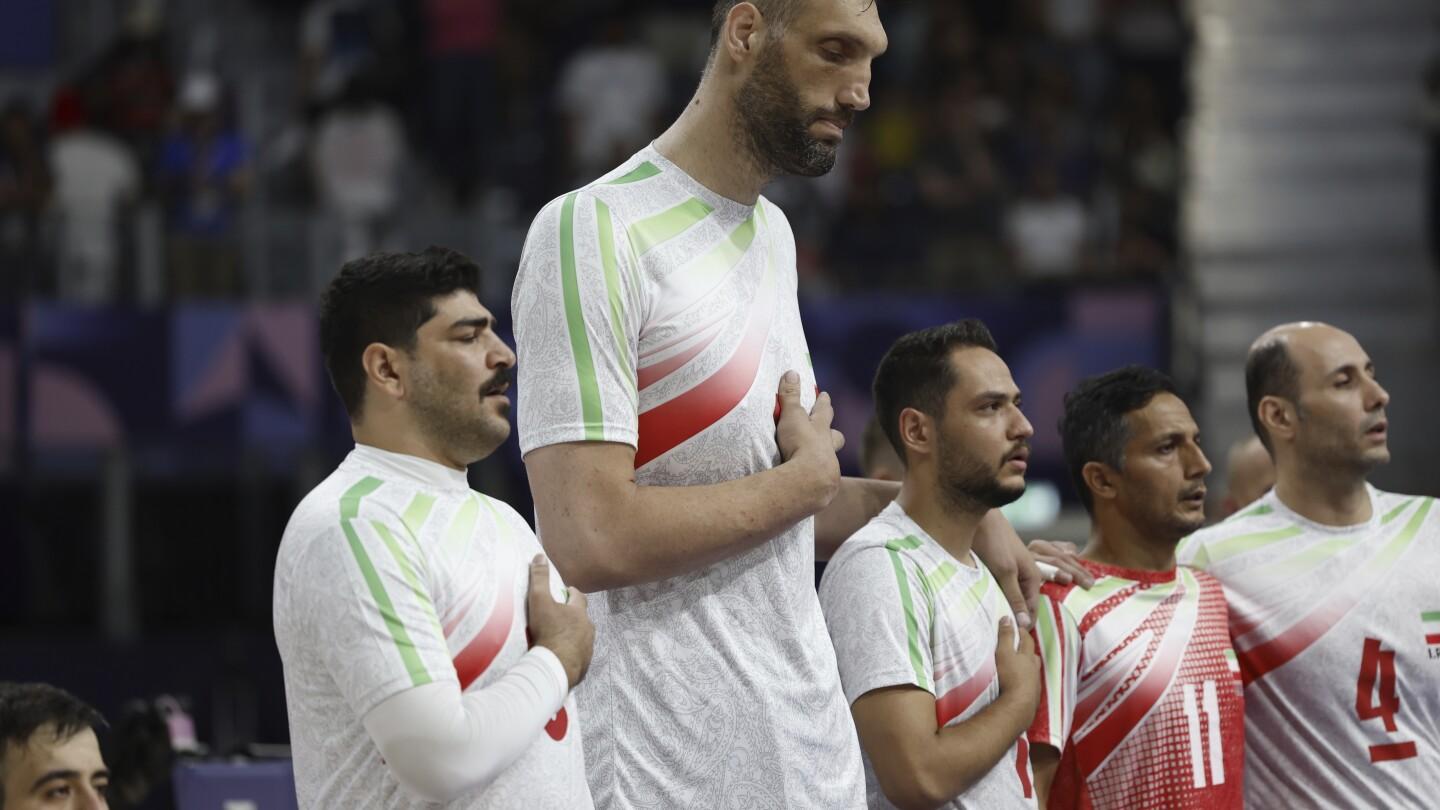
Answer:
(601, 534)
(440, 743)
(857, 501)
(963, 753)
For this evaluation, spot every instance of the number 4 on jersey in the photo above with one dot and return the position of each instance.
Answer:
(1377, 672)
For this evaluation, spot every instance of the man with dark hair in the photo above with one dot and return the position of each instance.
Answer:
(49, 756)
(655, 309)
(429, 651)
(941, 684)
(1136, 663)
(1334, 608)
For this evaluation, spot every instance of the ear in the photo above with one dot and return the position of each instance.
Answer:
(917, 432)
(739, 35)
(1101, 479)
(1278, 417)
(383, 365)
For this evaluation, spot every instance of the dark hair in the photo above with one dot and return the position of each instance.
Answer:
(776, 12)
(1269, 371)
(917, 373)
(25, 708)
(384, 298)
(1093, 427)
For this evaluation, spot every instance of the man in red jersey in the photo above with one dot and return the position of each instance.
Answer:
(1141, 702)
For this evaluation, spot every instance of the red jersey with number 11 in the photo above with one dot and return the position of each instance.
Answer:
(1141, 693)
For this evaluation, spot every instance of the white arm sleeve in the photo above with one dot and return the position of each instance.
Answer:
(440, 743)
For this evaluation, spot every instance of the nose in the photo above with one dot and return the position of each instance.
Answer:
(1199, 466)
(856, 94)
(1022, 428)
(1379, 397)
(501, 355)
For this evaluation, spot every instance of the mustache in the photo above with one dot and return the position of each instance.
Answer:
(497, 383)
(1022, 446)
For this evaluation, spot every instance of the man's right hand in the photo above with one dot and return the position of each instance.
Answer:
(807, 438)
(563, 628)
(1017, 667)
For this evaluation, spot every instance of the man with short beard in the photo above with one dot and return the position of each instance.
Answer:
(655, 310)
(428, 650)
(1334, 606)
(940, 685)
(1140, 705)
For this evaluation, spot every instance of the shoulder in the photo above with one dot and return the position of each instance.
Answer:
(1258, 516)
(773, 214)
(871, 551)
(509, 516)
(1206, 580)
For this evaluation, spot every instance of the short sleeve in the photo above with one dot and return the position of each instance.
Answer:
(370, 611)
(880, 619)
(1057, 641)
(577, 306)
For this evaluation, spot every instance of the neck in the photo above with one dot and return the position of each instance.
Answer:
(408, 442)
(1323, 493)
(1116, 540)
(706, 143)
(951, 526)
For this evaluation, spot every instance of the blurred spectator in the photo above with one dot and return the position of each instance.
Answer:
(962, 189)
(461, 37)
(49, 754)
(1249, 474)
(24, 184)
(203, 174)
(336, 42)
(1046, 228)
(135, 84)
(356, 156)
(611, 94)
(96, 176)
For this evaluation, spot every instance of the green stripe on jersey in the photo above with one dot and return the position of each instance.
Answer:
(417, 513)
(942, 575)
(1430, 616)
(723, 257)
(912, 626)
(349, 509)
(644, 171)
(1050, 645)
(907, 543)
(403, 560)
(1240, 544)
(612, 285)
(1262, 509)
(590, 408)
(666, 225)
(462, 525)
(1394, 513)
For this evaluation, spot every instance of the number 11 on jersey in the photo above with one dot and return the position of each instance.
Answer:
(1210, 702)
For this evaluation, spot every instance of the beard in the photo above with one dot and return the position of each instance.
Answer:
(775, 125)
(447, 411)
(970, 483)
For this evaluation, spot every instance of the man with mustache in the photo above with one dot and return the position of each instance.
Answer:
(1140, 705)
(940, 684)
(429, 652)
(655, 310)
(1334, 606)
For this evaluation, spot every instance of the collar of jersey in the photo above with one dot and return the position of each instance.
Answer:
(1309, 525)
(421, 471)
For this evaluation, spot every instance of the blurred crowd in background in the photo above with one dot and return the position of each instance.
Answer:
(1011, 143)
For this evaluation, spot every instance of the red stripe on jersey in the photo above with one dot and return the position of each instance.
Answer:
(1392, 752)
(650, 375)
(1092, 750)
(1262, 658)
(1022, 765)
(477, 656)
(665, 426)
(954, 703)
(1432, 638)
